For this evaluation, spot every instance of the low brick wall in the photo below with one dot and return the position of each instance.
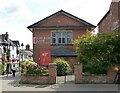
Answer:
(79, 78)
(50, 79)
(96, 79)
(35, 79)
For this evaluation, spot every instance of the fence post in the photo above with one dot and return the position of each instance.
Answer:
(52, 73)
(78, 73)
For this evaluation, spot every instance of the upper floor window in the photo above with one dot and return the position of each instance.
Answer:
(61, 37)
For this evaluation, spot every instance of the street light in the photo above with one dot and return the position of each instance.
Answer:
(22, 50)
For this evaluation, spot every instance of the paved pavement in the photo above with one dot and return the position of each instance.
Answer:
(12, 84)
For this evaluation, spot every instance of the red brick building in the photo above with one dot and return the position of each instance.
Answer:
(55, 33)
(111, 20)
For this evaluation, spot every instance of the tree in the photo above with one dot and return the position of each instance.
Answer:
(100, 52)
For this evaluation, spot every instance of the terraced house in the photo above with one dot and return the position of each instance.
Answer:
(53, 37)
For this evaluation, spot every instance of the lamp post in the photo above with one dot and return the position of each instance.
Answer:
(22, 50)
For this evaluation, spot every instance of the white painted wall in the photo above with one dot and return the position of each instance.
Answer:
(13, 52)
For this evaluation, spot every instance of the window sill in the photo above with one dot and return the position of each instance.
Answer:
(61, 44)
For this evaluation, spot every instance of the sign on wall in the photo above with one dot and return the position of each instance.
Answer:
(41, 39)
(45, 58)
(35, 40)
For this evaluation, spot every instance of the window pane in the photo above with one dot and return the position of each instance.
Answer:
(53, 40)
(53, 34)
(59, 40)
(69, 34)
(59, 34)
(63, 40)
(69, 40)
(64, 34)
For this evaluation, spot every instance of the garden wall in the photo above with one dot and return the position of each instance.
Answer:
(34, 79)
(79, 78)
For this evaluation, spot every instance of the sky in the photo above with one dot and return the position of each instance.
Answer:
(16, 15)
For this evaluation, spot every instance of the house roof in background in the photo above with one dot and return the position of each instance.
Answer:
(9, 42)
(104, 17)
(65, 13)
(63, 52)
(16, 42)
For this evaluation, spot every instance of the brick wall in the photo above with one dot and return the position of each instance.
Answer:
(50, 79)
(79, 78)
(78, 73)
(60, 20)
(112, 19)
(44, 43)
(52, 73)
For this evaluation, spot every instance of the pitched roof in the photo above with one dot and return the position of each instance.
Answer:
(104, 17)
(57, 13)
(4, 42)
(16, 42)
(63, 52)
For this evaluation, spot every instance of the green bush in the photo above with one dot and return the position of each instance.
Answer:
(31, 68)
(27, 62)
(99, 53)
(1, 69)
(38, 70)
(62, 67)
(22, 68)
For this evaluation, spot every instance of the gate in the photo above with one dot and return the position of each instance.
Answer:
(65, 79)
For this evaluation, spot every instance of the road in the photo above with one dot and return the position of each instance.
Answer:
(12, 84)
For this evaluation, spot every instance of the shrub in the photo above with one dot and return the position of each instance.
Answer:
(1, 69)
(98, 53)
(22, 68)
(38, 70)
(62, 67)
(31, 68)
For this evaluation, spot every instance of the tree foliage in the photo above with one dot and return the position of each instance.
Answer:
(100, 52)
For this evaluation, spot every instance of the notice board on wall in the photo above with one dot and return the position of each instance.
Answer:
(45, 58)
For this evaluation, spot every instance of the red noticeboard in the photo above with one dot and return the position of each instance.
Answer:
(45, 58)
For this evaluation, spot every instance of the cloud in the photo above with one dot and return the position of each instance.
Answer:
(14, 16)
(13, 8)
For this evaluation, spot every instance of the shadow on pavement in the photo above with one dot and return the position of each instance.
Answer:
(10, 77)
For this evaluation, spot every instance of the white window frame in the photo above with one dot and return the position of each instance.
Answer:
(61, 36)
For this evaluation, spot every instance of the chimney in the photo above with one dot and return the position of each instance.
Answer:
(6, 36)
(27, 47)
